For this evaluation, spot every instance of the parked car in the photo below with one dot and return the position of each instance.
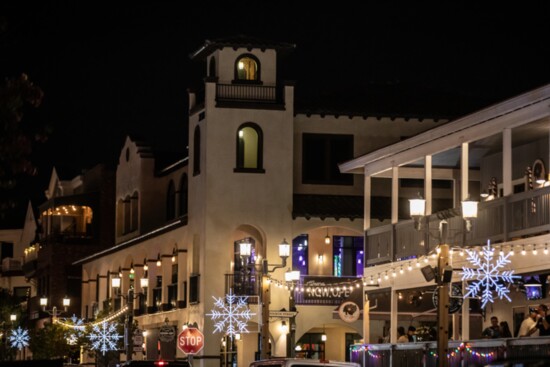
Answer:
(300, 362)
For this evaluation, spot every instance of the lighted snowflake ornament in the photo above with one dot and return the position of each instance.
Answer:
(231, 315)
(78, 328)
(104, 337)
(19, 338)
(489, 276)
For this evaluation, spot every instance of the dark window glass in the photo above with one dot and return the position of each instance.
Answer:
(194, 289)
(300, 254)
(6, 250)
(348, 256)
(171, 201)
(197, 151)
(321, 154)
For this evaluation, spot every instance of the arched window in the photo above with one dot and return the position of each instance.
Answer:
(197, 151)
(135, 211)
(127, 214)
(171, 201)
(247, 68)
(120, 217)
(183, 195)
(249, 148)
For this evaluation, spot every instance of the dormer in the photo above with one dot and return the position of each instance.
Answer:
(241, 60)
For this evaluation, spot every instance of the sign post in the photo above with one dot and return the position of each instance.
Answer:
(190, 340)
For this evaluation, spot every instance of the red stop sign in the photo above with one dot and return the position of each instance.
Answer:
(190, 340)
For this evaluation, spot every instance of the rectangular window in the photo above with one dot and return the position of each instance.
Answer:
(321, 154)
(6, 250)
(300, 254)
(348, 256)
(194, 289)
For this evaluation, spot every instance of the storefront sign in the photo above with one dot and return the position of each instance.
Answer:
(328, 290)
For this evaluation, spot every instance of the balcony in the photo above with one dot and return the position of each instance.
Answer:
(11, 267)
(244, 284)
(461, 353)
(517, 216)
(234, 95)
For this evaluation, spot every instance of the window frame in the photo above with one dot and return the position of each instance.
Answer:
(239, 150)
(237, 80)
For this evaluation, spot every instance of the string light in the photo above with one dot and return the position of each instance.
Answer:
(511, 250)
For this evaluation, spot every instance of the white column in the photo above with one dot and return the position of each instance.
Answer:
(428, 183)
(366, 200)
(366, 319)
(464, 170)
(507, 162)
(394, 195)
(393, 317)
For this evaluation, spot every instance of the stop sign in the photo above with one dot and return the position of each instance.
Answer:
(190, 340)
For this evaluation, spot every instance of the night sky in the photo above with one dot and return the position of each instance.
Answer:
(111, 70)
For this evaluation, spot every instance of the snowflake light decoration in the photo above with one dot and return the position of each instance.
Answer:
(104, 338)
(78, 328)
(489, 276)
(19, 338)
(231, 315)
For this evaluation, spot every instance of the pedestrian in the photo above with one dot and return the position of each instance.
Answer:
(492, 331)
(411, 333)
(543, 320)
(528, 326)
(401, 336)
(505, 330)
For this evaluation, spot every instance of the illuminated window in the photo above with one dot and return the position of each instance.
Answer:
(247, 68)
(300, 254)
(348, 259)
(249, 148)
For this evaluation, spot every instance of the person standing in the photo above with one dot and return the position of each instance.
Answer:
(411, 333)
(543, 320)
(505, 330)
(528, 326)
(492, 331)
(401, 336)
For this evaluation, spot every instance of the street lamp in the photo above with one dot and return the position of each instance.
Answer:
(443, 271)
(291, 277)
(128, 341)
(53, 312)
(245, 249)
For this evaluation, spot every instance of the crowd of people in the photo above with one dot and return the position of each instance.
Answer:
(537, 323)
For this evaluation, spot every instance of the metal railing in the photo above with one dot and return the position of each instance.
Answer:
(247, 93)
(461, 354)
(515, 216)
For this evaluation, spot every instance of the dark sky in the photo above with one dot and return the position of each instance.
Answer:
(108, 70)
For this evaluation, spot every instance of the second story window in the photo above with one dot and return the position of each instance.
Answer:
(247, 68)
(249, 148)
(321, 154)
(348, 256)
(171, 201)
(300, 254)
(197, 151)
(183, 195)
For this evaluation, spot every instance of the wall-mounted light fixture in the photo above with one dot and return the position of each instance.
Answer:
(159, 263)
(145, 266)
(327, 238)
(284, 327)
(174, 252)
(320, 258)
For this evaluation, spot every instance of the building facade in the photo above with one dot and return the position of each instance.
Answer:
(257, 172)
(497, 157)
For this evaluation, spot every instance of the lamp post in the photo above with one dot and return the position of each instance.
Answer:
(54, 312)
(443, 272)
(128, 341)
(293, 277)
(245, 249)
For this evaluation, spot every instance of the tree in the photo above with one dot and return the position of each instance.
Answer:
(9, 305)
(17, 97)
(50, 342)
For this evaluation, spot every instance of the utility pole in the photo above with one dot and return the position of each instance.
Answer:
(443, 306)
(128, 337)
(266, 300)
